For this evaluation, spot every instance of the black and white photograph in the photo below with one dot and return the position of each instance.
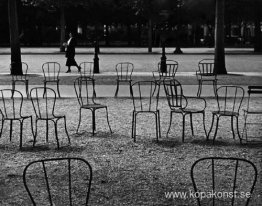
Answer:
(131, 102)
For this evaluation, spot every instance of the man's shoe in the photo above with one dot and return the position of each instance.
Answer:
(68, 71)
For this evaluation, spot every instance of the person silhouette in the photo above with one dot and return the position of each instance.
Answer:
(70, 53)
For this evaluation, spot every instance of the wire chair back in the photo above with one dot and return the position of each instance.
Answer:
(87, 69)
(124, 71)
(145, 95)
(222, 181)
(11, 102)
(174, 94)
(85, 90)
(206, 67)
(58, 181)
(230, 98)
(43, 101)
(171, 69)
(22, 77)
(51, 71)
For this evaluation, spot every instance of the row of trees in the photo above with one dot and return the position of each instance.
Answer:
(166, 13)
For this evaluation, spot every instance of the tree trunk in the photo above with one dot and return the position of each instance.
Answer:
(16, 66)
(150, 35)
(258, 34)
(62, 27)
(219, 67)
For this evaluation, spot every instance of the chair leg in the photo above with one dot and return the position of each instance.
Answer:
(47, 130)
(66, 130)
(183, 128)
(238, 133)
(35, 133)
(204, 124)
(159, 127)
(133, 117)
(93, 81)
(21, 132)
(199, 88)
(32, 126)
(107, 118)
(191, 124)
(56, 134)
(11, 129)
(79, 120)
(26, 89)
(216, 130)
(2, 126)
(93, 121)
(44, 89)
(215, 87)
(232, 126)
(211, 127)
(117, 88)
(135, 127)
(58, 91)
(170, 121)
(156, 120)
(130, 89)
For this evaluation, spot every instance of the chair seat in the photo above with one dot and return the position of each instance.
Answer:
(16, 117)
(50, 116)
(187, 110)
(51, 80)
(91, 106)
(225, 113)
(124, 80)
(253, 111)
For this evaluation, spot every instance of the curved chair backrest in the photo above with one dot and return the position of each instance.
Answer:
(85, 90)
(58, 181)
(223, 181)
(21, 77)
(206, 67)
(171, 68)
(145, 95)
(43, 101)
(230, 98)
(87, 69)
(174, 94)
(11, 102)
(51, 71)
(124, 70)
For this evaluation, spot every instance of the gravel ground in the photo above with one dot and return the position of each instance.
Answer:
(125, 173)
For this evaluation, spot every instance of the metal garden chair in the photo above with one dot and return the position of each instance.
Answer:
(21, 78)
(11, 109)
(171, 70)
(85, 93)
(145, 95)
(58, 181)
(223, 181)
(51, 71)
(253, 111)
(179, 104)
(206, 73)
(229, 101)
(43, 101)
(124, 72)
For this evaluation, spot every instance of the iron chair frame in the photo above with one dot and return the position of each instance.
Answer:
(124, 71)
(178, 103)
(156, 112)
(21, 78)
(212, 159)
(69, 159)
(224, 112)
(171, 70)
(93, 106)
(54, 77)
(251, 91)
(46, 116)
(87, 70)
(20, 118)
(206, 73)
